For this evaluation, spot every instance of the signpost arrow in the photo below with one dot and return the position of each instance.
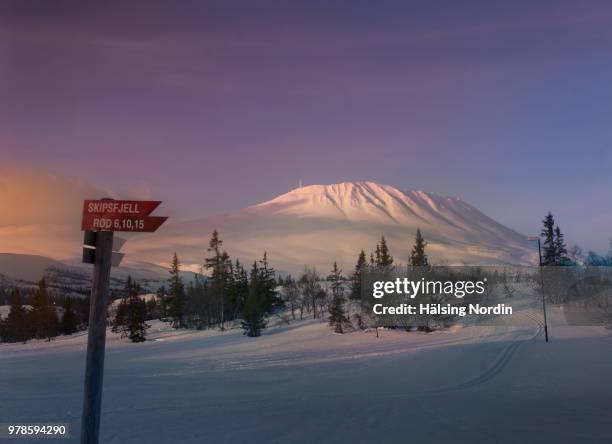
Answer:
(118, 243)
(100, 219)
(111, 207)
(116, 258)
(121, 215)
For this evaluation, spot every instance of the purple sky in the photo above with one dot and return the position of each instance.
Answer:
(212, 106)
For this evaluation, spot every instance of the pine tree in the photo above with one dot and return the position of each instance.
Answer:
(119, 323)
(43, 314)
(136, 314)
(176, 295)
(15, 328)
(383, 257)
(253, 317)
(219, 281)
(240, 288)
(69, 322)
(560, 248)
(357, 274)
(152, 306)
(267, 280)
(337, 317)
(130, 318)
(418, 257)
(549, 253)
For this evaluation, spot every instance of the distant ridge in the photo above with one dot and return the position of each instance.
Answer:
(74, 277)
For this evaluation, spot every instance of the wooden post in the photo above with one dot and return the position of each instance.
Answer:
(96, 339)
(542, 289)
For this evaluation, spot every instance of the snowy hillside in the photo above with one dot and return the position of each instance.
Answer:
(318, 224)
(73, 278)
(25, 267)
(299, 383)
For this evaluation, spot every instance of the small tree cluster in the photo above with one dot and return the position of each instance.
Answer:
(226, 293)
(312, 295)
(40, 319)
(291, 293)
(43, 314)
(131, 315)
(382, 256)
(382, 259)
(15, 327)
(254, 310)
(554, 250)
(594, 259)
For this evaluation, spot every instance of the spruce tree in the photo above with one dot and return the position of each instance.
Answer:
(176, 295)
(383, 257)
(357, 274)
(15, 328)
(560, 248)
(337, 316)
(219, 281)
(267, 281)
(130, 318)
(69, 322)
(119, 323)
(152, 306)
(240, 288)
(418, 257)
(43, 314)
(253, 317)
(136, 314)
(549, 248)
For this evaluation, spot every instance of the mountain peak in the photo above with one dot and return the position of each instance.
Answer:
(320, 224)
(361, 201)
(344, 188)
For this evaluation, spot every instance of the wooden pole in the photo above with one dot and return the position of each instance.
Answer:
(542, 289)
(96, 339)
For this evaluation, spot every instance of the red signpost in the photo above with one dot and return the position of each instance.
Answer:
(121, 215)
(100, 219)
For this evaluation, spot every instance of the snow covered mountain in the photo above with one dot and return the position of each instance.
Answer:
(319, 224)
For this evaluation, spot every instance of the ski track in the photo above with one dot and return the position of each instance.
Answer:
(502, 361)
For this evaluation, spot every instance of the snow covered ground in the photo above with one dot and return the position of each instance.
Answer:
(301, 384)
